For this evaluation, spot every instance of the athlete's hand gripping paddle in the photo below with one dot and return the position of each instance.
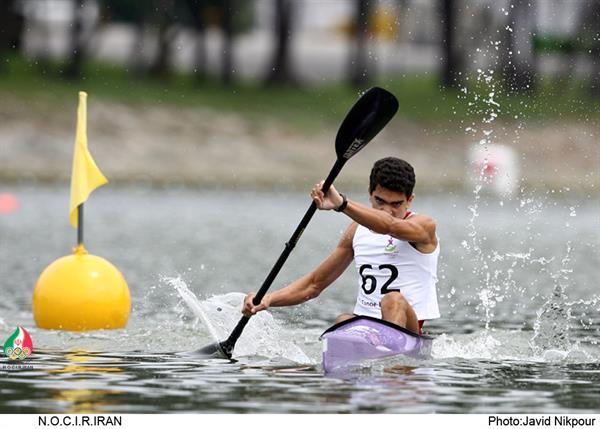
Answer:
(373, 110)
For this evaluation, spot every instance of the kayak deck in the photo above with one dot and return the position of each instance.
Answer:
(347, 343)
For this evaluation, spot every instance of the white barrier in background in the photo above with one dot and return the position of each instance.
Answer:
(495, 167)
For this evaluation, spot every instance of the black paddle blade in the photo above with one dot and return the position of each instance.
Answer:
(367, 117)
(215, 350)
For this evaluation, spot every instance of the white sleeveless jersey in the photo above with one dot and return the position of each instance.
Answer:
(385, 263)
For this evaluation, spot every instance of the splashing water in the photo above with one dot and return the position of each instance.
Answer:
(507, 345)
(494, 272)
(263, 336)
(551, 328)
(190, 299)
(490, 109)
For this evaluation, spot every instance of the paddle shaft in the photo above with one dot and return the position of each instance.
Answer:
(229, 343)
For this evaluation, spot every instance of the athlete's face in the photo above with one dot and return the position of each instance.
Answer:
(392, 202)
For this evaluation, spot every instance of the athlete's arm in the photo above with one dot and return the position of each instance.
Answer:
(312, 284)
(417, 229)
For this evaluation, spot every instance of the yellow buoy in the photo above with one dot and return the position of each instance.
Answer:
(81, 292)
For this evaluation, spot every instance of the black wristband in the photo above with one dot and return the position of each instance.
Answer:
(344, 204)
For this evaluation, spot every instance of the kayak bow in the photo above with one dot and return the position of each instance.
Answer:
(347, 343)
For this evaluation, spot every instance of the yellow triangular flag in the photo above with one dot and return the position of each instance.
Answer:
(86, 176)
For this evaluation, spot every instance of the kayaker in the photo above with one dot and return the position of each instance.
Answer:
(395, 252)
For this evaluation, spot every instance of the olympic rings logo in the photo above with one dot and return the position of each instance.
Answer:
(17, 353)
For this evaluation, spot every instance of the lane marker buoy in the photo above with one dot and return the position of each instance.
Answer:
(81, 291)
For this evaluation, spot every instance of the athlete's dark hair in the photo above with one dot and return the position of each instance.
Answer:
(394, 174)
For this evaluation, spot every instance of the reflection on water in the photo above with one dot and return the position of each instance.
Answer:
(80, 370)
(172, 383)
(187, 278)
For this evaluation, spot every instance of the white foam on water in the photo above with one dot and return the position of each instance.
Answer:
(263, 335)
(501, 345)
(487, 344)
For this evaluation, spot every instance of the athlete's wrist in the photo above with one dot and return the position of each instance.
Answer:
(342, 206)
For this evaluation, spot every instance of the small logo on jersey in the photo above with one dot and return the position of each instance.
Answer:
(391, 247)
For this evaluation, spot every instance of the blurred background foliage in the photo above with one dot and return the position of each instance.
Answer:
(541, 64)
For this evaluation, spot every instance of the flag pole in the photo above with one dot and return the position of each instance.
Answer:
(80, 225)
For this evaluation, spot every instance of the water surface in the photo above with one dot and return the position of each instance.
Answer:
(518, 295)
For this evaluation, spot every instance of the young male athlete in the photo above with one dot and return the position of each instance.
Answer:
(395, 252)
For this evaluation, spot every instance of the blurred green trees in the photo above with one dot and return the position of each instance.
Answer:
(463, 26)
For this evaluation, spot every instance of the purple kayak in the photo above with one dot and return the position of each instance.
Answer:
(347, 343)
